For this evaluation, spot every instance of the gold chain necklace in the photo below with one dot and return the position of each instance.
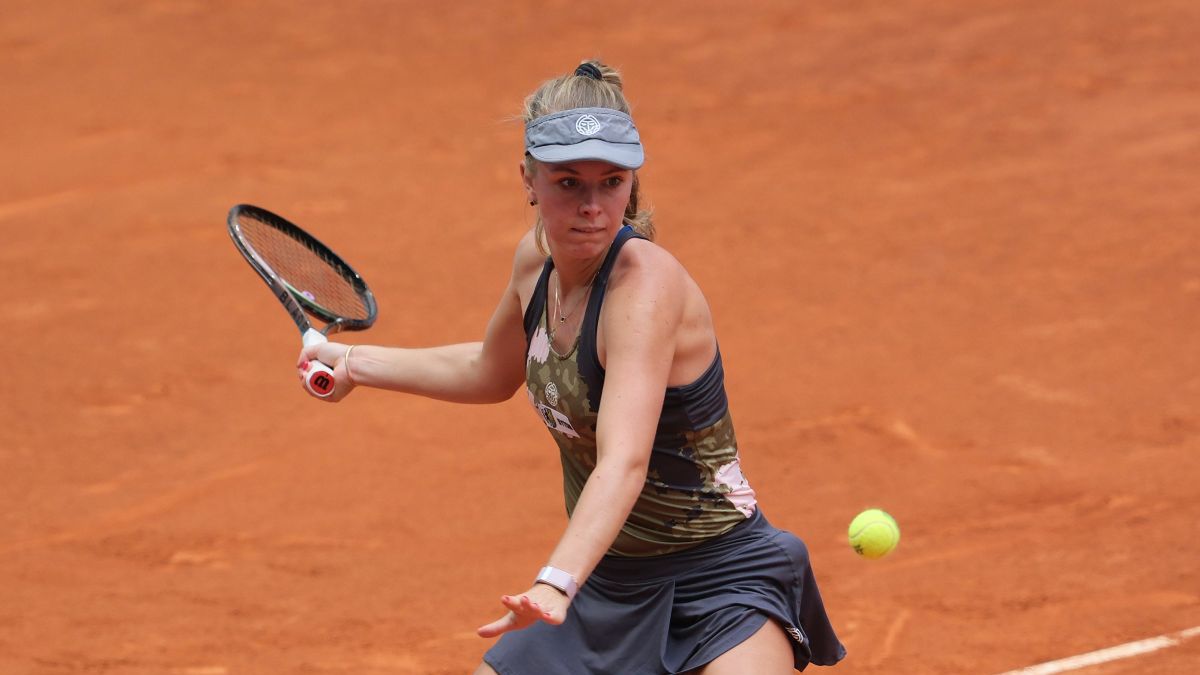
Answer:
(558, 287)
(562, 318)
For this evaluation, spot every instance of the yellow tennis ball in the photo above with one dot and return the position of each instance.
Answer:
(874, 533)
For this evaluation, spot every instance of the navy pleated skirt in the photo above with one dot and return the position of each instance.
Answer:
(674, 613)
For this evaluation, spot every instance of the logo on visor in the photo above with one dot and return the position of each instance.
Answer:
(587, 125)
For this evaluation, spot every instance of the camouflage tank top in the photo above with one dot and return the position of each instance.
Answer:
(694, 487)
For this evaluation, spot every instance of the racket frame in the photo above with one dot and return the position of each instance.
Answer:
(298, 306)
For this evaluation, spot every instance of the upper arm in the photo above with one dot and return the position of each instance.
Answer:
(502, 355)
(643, 307)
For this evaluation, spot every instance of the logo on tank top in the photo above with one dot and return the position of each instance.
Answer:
(552, 394)
(556, 420)
(587, 125)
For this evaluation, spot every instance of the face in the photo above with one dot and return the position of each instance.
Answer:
(582, 204)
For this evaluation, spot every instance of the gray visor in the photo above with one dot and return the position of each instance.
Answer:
(601, 134)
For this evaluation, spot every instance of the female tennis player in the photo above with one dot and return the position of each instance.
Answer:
(666, 565)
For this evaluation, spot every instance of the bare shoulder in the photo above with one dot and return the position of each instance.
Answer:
(527, 256)
(646, 269)
(649, 287)
(648, 282)
(527, 266)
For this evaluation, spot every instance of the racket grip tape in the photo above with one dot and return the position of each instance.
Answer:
(318, 377)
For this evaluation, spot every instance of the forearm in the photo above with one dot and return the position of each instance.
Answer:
(449, 373)
(604, 505)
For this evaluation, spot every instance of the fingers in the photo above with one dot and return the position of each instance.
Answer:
(498, 627)
(523, 607)
(522, 612)
(554, 619)
(552, 602)
(321, 351)
(331, 354)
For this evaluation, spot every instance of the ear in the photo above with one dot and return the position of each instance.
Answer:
(527, 180)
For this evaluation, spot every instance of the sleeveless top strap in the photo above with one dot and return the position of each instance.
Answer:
(589, 359)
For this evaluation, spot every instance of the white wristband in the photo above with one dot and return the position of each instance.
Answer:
(560, 579)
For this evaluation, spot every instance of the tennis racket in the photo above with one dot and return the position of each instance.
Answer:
(307, 278)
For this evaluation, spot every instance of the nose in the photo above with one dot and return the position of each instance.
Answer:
(590, 206)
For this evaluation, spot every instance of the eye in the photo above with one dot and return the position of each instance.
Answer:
(613, 181)
(568, 183)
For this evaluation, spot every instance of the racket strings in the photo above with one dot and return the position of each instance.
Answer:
(312, 276)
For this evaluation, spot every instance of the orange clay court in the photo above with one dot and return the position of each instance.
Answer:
(951, 248)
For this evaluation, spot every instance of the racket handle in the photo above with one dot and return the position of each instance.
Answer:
(318, 377)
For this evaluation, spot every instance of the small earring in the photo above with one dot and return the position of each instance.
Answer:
(533, 202)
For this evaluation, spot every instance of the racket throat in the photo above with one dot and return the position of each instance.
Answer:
(312, 336)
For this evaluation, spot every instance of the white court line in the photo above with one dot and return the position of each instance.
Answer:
(1110, 654)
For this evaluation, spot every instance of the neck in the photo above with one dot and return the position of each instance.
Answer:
(576, 273)
(572, 278)
(573, 286)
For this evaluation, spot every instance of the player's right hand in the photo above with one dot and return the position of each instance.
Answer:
(332, 354)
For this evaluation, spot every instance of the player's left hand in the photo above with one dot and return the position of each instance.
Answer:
(540, 603)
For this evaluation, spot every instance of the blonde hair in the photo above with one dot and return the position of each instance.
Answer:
(581, 91)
